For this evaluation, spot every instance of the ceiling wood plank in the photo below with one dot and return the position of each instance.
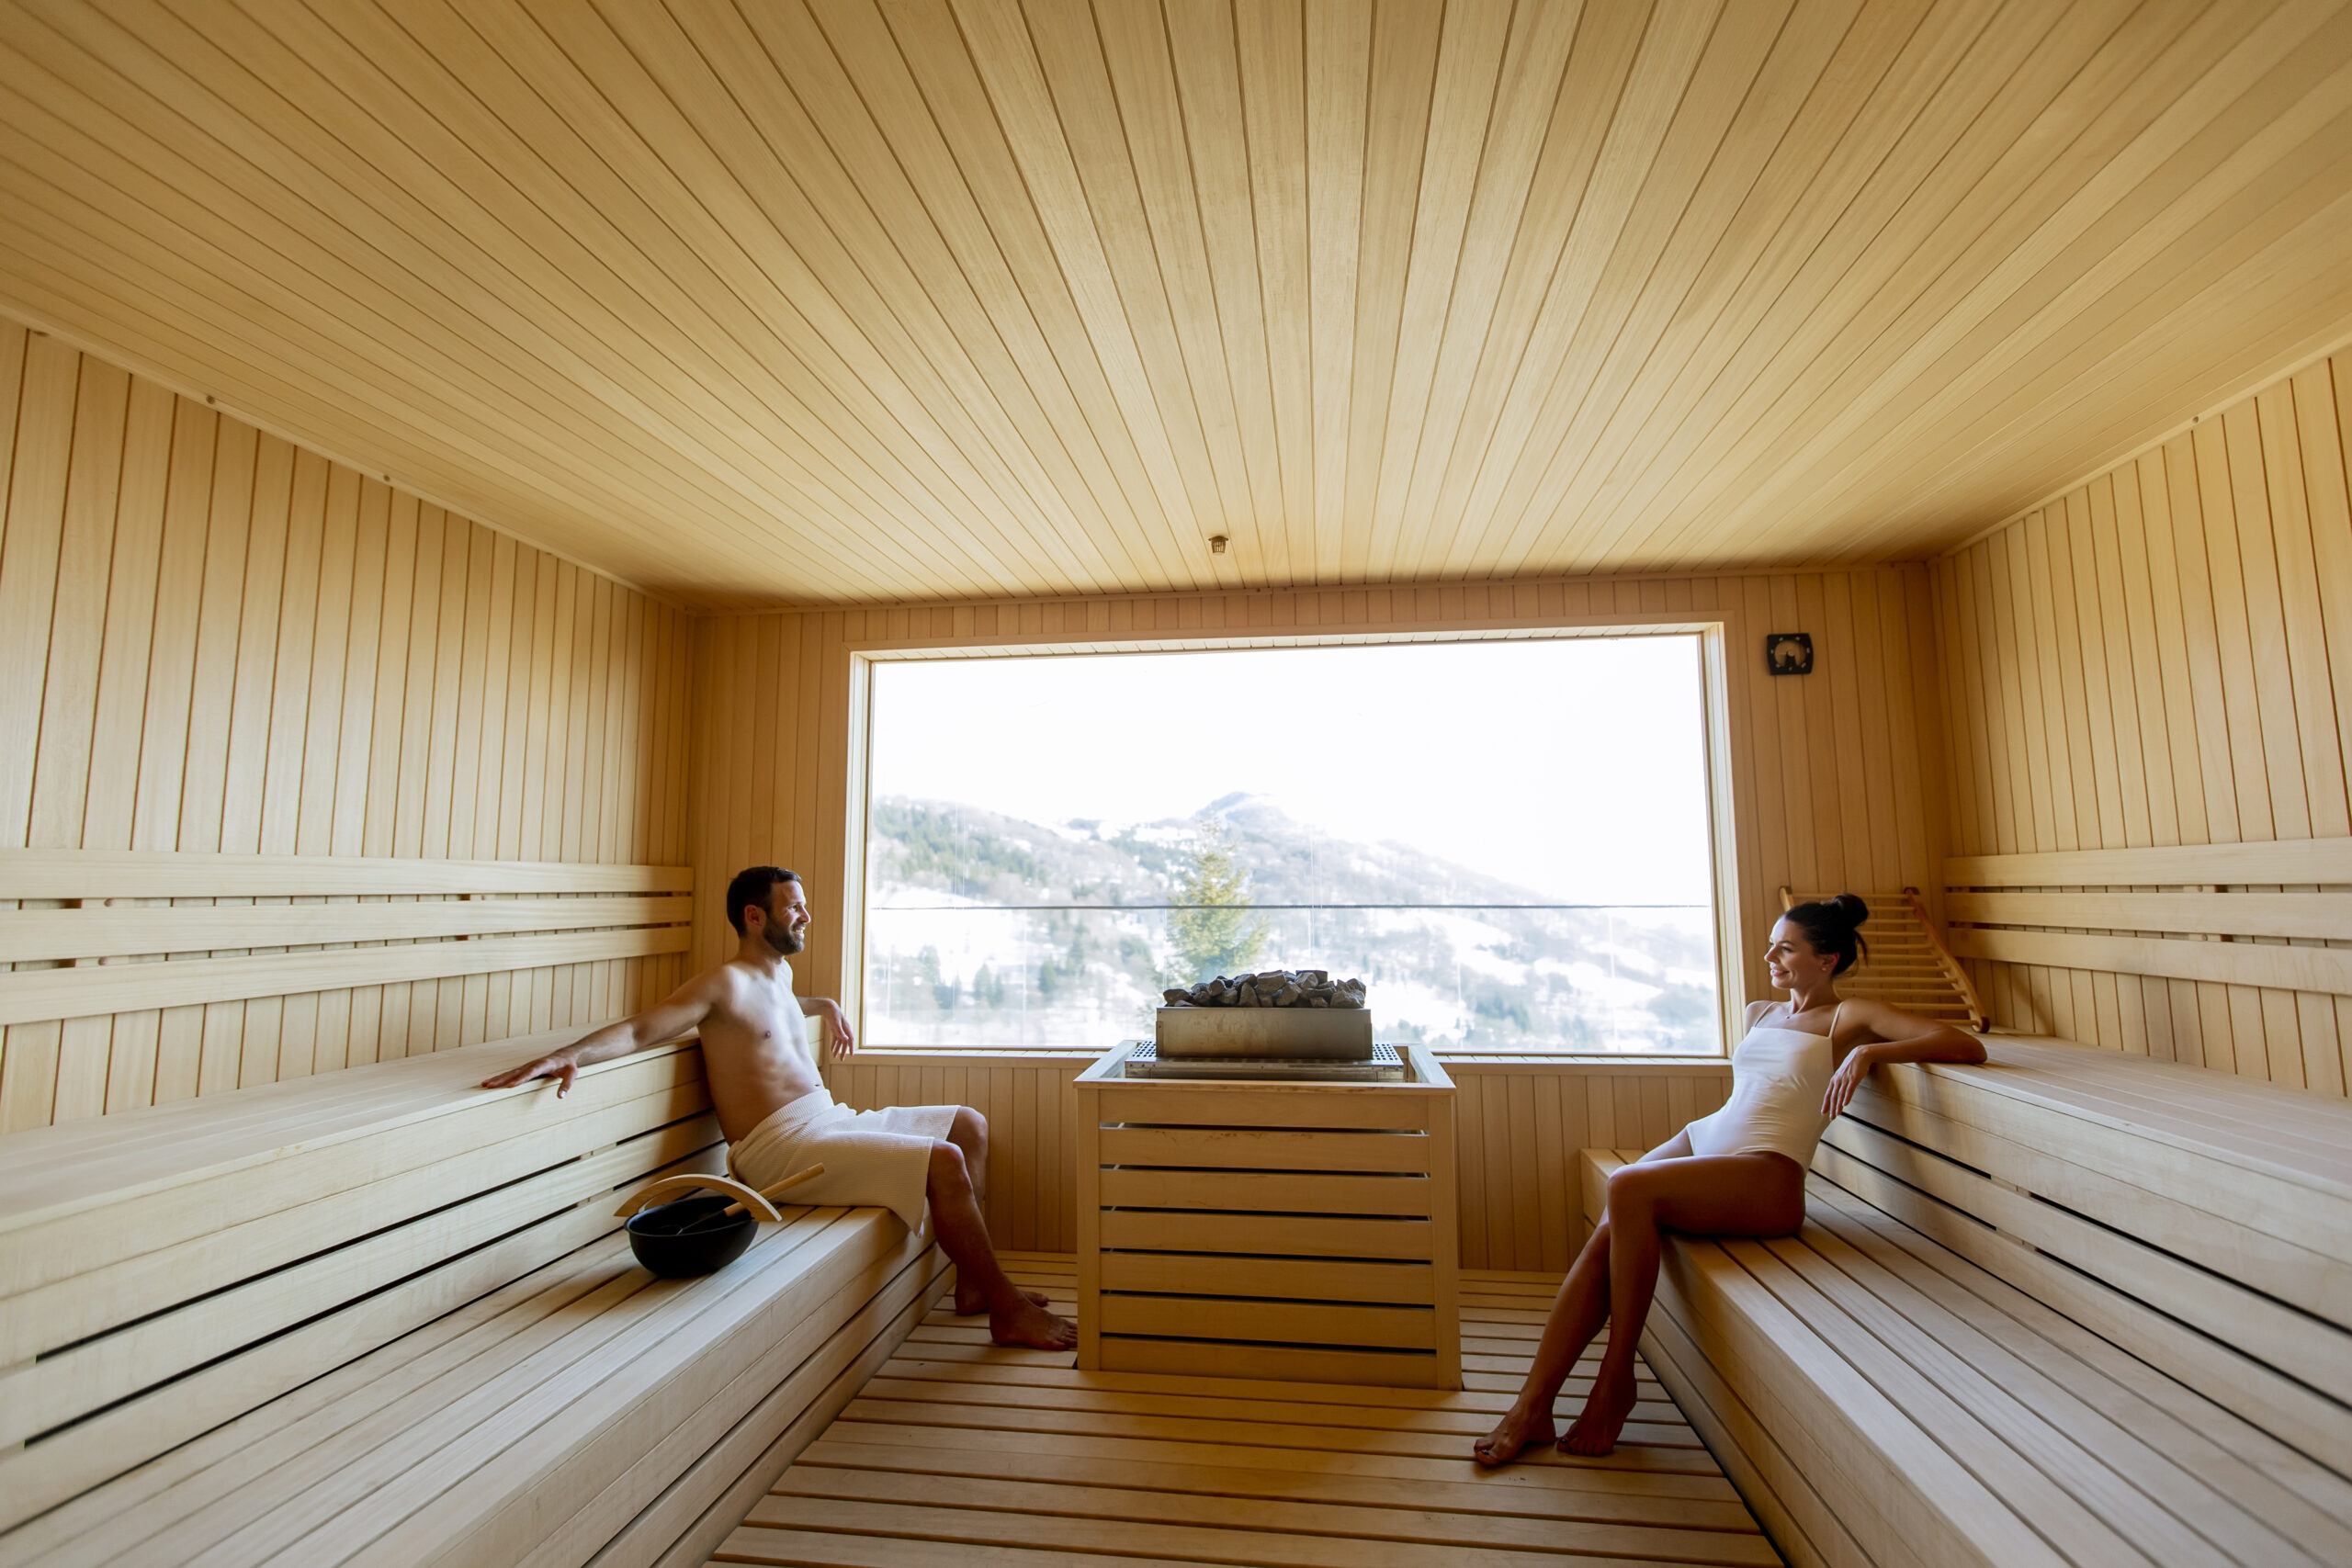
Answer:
(1533, 92)
(1960, 65)
(2117, 109)
(2202, 149)
(928, 100)
(1270, 45)
(780, 67)
(1338, 82)
(868, 300)
(1669, 56)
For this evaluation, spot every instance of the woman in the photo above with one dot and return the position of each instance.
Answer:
(1737, 1172)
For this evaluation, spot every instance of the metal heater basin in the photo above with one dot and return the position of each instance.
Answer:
(1327, 1034)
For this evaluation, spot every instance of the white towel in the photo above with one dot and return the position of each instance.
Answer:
(879, 1157)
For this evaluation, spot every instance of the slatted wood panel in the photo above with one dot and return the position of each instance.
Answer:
(2162, 658)
(840, 300)
(383, 1316)
(328, 943)
(1885, 1392)
(1032, 1109)
(1298, 1231)
(1834, 781)
(2073, 1306)
(1905, 962)
(214, 642)
(170, 1270)
(1519, 1126)
(958, 1448)
(584, 1412)
(2223, 1222)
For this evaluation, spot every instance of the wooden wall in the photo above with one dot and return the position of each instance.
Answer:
(1836, 780)
(2163, 657)
(211, 640)
(1518, 1127)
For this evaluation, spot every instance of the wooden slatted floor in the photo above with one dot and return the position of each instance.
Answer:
(959, 1453)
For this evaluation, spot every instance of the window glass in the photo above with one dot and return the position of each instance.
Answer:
(1508, 841)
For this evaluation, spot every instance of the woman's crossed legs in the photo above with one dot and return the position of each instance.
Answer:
(1615, 1275)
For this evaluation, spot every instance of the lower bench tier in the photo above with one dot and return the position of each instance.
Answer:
(1878, 1399)
(585, 1410)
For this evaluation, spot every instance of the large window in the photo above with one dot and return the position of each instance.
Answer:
(1508, 841)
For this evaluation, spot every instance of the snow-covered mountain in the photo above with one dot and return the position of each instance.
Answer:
(987, 928)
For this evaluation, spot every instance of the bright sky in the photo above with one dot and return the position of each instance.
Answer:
(1574, 766)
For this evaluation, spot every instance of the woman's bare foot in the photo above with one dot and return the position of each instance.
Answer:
(969, 1301)
(1605, 1409)
(1515, 1431)
(1028, 1322)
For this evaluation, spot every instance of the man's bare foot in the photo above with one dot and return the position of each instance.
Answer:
(1028, 1322)
(1515, 1431)
(1605, 1409)
(968, 1302)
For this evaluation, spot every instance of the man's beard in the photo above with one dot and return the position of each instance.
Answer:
(785, 940)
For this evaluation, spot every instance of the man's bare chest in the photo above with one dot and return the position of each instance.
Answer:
(762, 1030)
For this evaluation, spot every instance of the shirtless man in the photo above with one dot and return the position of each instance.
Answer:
(779, 1118)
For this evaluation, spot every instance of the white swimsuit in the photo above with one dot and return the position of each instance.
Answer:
(1779, 1078)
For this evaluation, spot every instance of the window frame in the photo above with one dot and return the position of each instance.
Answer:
(1715, 717)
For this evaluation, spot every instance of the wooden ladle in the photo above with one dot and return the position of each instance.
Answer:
(758, 1201)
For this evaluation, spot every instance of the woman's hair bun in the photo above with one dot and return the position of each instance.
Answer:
(1829, 925)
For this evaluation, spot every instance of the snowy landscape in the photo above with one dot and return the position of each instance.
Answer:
(986, 930)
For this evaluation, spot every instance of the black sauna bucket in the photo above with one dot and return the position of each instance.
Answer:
(688, 1237)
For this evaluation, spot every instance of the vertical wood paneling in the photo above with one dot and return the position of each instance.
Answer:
(1518, 1129)
(1828, 786)
(2189, 684)
(1827, 783)
(213, 640)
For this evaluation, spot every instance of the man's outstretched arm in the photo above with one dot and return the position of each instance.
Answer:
(681, 1011)
(830, 1011)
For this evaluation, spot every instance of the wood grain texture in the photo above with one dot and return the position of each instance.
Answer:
(1841, 1371)
(375, 1315)
(1906, 962)
(1161, 1164)
(1991, 1328)
(779, 714)
(27, 935)
(1518, 1128)
(846, 301)
(256, 679)
(280, 1233)
(2157, 745)
(958, 1449)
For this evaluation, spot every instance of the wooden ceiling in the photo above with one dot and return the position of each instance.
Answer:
(797, 300)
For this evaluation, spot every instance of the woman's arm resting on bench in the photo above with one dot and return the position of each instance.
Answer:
(1889, 1034)
(681, 1011)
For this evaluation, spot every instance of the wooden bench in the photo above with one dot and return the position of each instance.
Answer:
(2068, 1307)
(382, 1316)
(2198, 952)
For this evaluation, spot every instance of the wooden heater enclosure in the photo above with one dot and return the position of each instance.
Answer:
(1299, 1231)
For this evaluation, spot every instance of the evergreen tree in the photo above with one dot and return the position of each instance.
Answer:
(944, 990)
(1217, 935)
